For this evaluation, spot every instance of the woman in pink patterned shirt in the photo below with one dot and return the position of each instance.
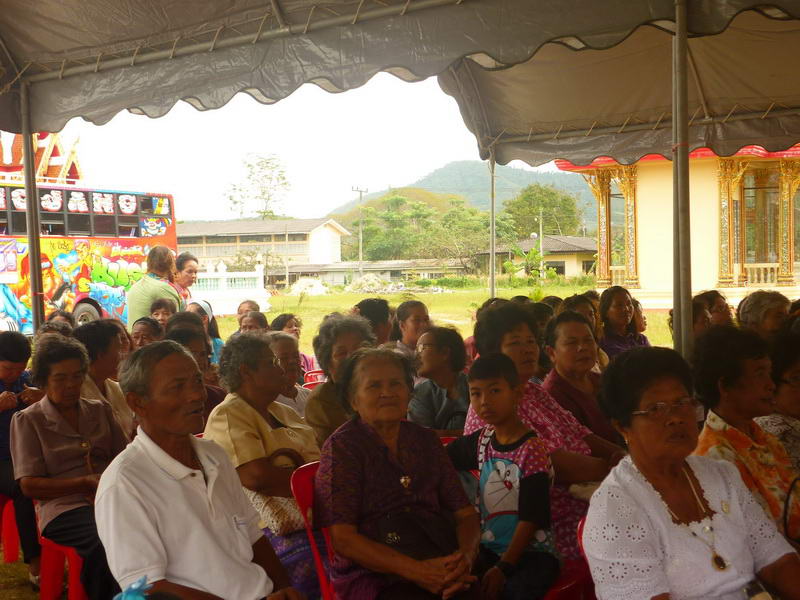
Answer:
(578, 455)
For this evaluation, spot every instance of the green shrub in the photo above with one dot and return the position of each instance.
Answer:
(423, 283)
(458, 282)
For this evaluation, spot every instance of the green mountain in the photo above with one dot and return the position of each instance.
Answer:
(470, 180)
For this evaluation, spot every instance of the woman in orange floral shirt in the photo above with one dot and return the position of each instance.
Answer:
(733, 377)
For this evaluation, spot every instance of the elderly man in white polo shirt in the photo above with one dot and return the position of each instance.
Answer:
(171, 506)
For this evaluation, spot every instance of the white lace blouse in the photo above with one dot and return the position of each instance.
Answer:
(636, 552)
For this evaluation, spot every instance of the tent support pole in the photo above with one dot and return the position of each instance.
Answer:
(492, 236)
(32, 210)
(682, 253)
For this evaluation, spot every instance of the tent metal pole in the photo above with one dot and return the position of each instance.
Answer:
(32, 210)
(492, 236)
(682, 285)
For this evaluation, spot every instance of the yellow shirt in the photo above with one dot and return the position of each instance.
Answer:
(116, 398)
(246, 436)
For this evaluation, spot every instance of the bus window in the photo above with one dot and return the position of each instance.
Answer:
(128, 227)
(78, 225)
(3, 224)
(18, 222)
(105, 225)
(53, 229)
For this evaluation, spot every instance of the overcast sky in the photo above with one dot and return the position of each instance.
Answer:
(386, 133)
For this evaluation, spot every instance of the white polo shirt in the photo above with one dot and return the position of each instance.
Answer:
(159, 518)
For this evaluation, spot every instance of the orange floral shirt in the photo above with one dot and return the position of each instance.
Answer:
(763, 464)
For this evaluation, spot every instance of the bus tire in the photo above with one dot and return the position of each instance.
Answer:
(85, 313)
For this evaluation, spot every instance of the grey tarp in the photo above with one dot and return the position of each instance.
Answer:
(744, 89)
(94, 58)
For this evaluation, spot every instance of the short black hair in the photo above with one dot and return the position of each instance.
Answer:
(520, 299)
(493, 323)
(96, 336)
(279, 322)
(164, 304)
(183, 258)
(374, 310)
(632, 372)
(574, 301)
(155, 326)
(402, 313)
(186, 335)
(64, 314)
(718, 356)
(494, 366)
(785, 354)
(542, 312)
(552, 301)
(52, 349)
(14, 347)
(56, 328)
(448, 337)
(185, 318)
(568, 316)
(709, 298)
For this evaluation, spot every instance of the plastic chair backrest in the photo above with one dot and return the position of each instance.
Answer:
(312, 384)
(315, 375)
(581, 525)
(302, 484)
(447, 439)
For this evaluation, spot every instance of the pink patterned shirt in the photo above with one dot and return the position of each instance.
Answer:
(558, 429)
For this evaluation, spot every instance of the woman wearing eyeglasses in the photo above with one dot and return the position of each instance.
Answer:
(666, 525)
(733, 375)
(784, 423)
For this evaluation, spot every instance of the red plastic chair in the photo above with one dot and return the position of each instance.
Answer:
(302, 484)
(317, 375)
(8, 530)
(312, 384)
(447, 439)
(52, 572)
(573, 583)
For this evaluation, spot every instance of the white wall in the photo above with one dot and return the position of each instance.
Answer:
(654, 198)
(324, 245)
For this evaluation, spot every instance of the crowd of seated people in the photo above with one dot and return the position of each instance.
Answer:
(448, 467)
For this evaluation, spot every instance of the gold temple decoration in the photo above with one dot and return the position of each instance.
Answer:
(789, 183)
(730, 173)
(625, 177)
(600, 183)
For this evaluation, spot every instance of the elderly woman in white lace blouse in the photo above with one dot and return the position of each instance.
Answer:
(665, 525)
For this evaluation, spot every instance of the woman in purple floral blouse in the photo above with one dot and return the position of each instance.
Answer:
(400, 523)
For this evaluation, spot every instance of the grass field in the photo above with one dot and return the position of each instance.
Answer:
(456, 308)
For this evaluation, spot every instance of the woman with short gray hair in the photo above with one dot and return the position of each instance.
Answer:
(763, 311)
(266, 441)
(338, 337)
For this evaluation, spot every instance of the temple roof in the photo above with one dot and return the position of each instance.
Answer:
(52, 163)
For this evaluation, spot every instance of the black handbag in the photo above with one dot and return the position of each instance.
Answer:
(419, 536)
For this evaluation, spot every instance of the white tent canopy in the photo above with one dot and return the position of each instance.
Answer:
(94, 58)
(743, 89)
(61, 59)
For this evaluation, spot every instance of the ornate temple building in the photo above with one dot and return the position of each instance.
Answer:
(745, 222)
(53, 163)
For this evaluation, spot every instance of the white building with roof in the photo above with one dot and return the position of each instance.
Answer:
(292, 241)
(567, 255)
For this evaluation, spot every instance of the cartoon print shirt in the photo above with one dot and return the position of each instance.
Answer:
(514, 486)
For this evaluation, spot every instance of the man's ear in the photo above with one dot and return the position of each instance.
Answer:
(135, 403)
(551, 352)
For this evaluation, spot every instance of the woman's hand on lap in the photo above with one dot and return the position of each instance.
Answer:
(8, 400)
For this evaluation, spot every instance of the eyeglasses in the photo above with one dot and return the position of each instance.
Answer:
(421, 347)
(661, 410)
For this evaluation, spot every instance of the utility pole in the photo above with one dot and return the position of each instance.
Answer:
(541, 244)
(360, 229)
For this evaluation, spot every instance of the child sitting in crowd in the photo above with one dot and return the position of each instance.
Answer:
(517, 556)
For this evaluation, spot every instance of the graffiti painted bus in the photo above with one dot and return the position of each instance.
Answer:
(94, 245)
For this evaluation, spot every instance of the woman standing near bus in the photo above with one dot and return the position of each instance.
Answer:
(186, 267)
(157, 283)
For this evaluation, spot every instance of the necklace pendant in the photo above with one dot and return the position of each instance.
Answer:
(718, 562)
(725, 507)
(405, 481)
(707, 528)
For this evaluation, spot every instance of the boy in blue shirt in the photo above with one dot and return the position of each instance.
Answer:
(15, 395)
(517, 556)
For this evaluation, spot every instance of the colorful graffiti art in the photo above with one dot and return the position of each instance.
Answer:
(73, 269)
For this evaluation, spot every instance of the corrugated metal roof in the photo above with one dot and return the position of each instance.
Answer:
(254, 226)
(554, 244)
(379, 265)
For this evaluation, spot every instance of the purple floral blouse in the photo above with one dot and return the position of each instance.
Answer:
(358, 482)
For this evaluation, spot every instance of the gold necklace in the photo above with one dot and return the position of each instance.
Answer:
(719, 563)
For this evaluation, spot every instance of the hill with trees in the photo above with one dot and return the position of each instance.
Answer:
(469, 179)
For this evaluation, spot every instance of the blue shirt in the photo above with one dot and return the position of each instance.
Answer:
(431, 407)
(5, 415)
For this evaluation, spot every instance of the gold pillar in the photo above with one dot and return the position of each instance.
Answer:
(789, 183)
(625, 177)
(600, 183)
(730, 174)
